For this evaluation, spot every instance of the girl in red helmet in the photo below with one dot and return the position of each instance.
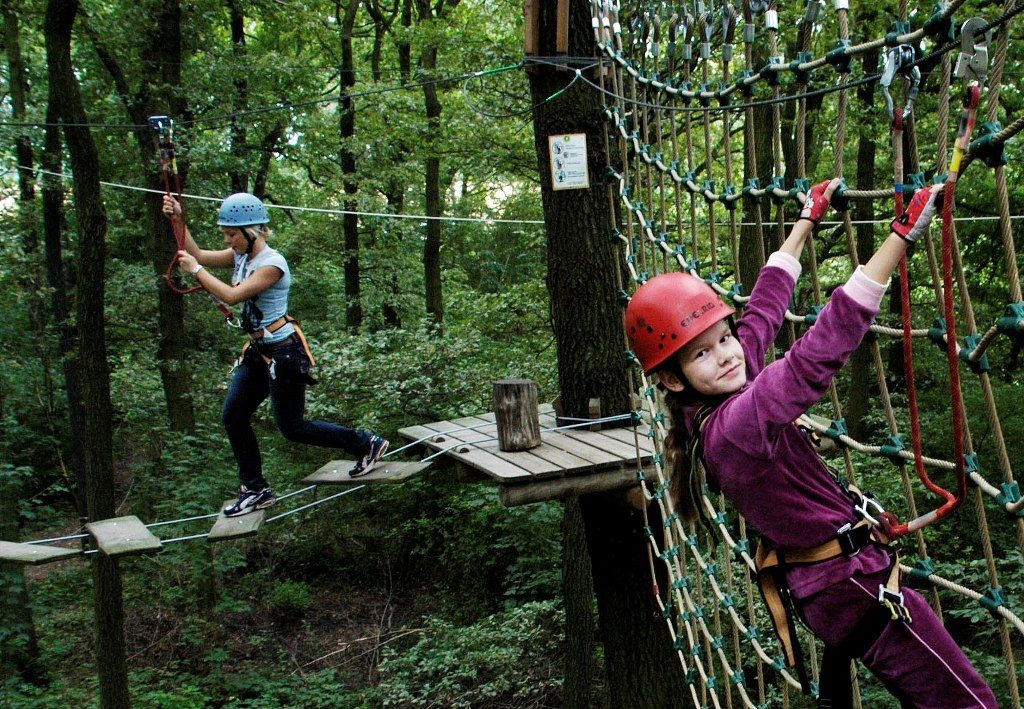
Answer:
(741, 414)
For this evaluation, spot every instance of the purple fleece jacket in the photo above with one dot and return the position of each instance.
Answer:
(754, 452)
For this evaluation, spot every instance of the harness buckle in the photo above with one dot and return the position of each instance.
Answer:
(893, 602)
(867, 500)
(847, 543)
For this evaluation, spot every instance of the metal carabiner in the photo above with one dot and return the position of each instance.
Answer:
(972, 64)
(899, 61)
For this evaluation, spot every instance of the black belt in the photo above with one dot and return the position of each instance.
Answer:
(263, 347)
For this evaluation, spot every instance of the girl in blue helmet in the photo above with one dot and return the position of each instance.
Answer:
(275, 362)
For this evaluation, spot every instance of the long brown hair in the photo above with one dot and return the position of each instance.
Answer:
(687, 471)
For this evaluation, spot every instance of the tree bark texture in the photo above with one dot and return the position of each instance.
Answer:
(19, 643)
(432, 194)
(578, 589)
(347, 157)
(583, 263)
(240, 173)
(95, 375)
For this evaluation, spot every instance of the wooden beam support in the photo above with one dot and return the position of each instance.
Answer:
(542, 490)
(562, 28)
(531, 20)
(516, 414)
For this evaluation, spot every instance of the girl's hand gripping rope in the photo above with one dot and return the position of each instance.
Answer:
(818, 200)
(914, 222)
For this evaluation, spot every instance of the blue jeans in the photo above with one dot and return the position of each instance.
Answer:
(286, 386)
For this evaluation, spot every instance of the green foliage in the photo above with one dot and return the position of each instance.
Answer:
(510, 658)
(289, 600)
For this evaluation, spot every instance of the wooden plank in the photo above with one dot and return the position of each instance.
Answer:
(542, 490)
(122, 536)
(626, 451)
(626, 436)
(562, 28)
(336, 473)
(567, 462)
(436, 436)
(236, 527)
(34, 554)
(596, 456)
(485, 440)
(531, 22)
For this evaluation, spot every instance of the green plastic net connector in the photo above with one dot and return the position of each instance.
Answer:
(609, 172)
(659, 459)
(661, 238)
(708, 188)
(648, 532)
(658, 417)
(980, 366)
(837, 428)
(752, 633)
(659, 494)
(800, 76)
(737, 677)
(780, 184)
(801, 184)
(912, 183)
(712, 683)
(639, 207)
(699, 612)
(746, 88)
(729, 197)
(711, 569)
(923, 569)
(899, 27)
(779, 663)
(670, 519)
(971, 465)
(937, 333)
(892, 447)
(640, 476)
(742, 546)
(680, 584)
(721, 518)
(752, 184)
(687, 616)
(1010, 496)
(840, 202)
(679, 644)
(651, 394)
(669, 610)
(985, 147)
(769, 73)
(616, 235)
(693, 265)
(728, 601)
(812, 314)
(691, 677)
(680, 251)
(631, 358)
(697, 651)
(717, 642)
(993, 600)
(735, 291)
(689, 177)
(838, 57)
(622, 297)
(691, 541)
(713, 278)
(1012, 321)
(938, 27)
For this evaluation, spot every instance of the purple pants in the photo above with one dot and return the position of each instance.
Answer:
(919, 663)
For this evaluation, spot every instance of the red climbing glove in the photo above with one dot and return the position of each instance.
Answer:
(914, 222)
(817, 201)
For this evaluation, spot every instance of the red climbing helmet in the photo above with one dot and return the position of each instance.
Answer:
(668, 311)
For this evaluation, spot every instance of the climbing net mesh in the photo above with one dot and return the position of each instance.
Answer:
(682, 82)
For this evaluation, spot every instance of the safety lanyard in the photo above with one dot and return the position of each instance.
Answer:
(164, 127)
(971, 66)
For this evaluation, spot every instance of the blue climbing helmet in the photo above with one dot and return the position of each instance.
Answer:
(242, 209)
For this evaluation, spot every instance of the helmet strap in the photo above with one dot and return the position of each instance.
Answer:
(250, 239)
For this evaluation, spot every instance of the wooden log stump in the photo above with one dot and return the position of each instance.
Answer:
(516, 415)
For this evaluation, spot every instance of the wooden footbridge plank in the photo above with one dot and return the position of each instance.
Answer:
(34, 553)
(121, 536)
(336, 473)
(568, 461)
(236, 527)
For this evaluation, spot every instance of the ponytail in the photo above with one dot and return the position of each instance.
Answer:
(687, 482)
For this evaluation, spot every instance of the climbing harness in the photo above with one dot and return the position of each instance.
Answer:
(256, 337)
(164, 128)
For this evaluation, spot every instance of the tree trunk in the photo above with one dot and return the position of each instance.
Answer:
(432, 193)
(95, 375)
(53, 218)
(19, 645)
(640, 665)
(347, 129)
(578, 589)
(240, 173)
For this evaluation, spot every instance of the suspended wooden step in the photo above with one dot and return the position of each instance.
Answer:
(336, 473)
(236, 527)
(122, 536)
(568, 461)
(34, 553)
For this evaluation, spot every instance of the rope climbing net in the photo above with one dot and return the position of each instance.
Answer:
(712, 138)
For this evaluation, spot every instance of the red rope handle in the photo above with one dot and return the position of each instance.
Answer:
(892, 526)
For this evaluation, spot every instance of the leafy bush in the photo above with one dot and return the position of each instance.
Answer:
(510, 659)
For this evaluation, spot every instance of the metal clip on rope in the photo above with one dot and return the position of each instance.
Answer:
(899, 62)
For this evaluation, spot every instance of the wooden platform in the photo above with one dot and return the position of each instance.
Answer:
(567, 462)
(236, 527)
(122, 536)
(34, 553)
(336, 473)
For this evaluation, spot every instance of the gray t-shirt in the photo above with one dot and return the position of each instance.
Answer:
(272, 303)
